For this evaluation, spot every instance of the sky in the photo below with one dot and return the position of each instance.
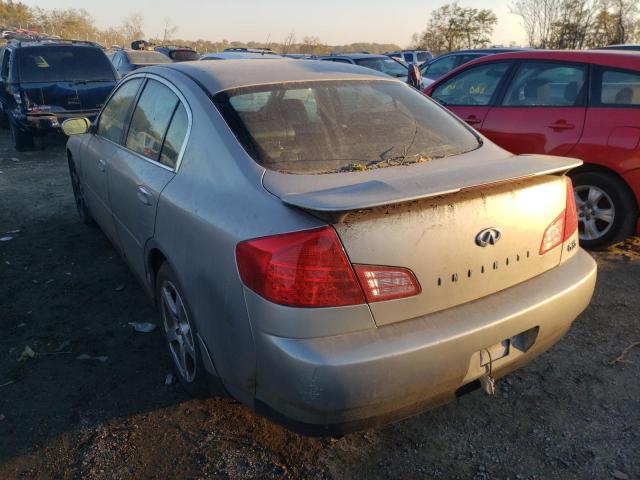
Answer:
(335, 22)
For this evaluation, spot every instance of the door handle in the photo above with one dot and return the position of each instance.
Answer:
(472, 120)
(102, 165)
(144, 195)
(561, 125)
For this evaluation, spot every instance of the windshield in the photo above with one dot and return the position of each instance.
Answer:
(143, 57)
(184, 55)
(64, 63)
(385, 65)
(333, 126)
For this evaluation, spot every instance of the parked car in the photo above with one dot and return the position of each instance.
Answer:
(583, 104)
(346, 253)
(241, 55)
(178, 54)
(381, 63)
(411, 56)
(45, 82)
(126, 61)
(443, 64)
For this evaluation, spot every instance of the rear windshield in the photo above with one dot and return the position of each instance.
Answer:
(333, 126)
(65, 62)
(184, 55)
(143, 57)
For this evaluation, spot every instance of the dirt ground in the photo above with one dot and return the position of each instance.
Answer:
(65, 292)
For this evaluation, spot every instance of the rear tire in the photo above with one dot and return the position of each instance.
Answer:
(180, 333)
(4, 121)
(22, 141)
(607, 210)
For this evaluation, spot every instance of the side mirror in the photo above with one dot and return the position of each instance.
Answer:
(414, 78)
(76, 126)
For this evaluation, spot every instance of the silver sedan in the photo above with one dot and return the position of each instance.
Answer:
(330, 246)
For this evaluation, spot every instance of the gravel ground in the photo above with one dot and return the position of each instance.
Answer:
(65, 292)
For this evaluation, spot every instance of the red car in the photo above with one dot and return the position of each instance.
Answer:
(583, 104)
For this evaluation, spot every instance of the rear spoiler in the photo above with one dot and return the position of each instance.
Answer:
(337, 194)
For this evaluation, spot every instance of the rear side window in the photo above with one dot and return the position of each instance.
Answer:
(620, 88)
(474, 86)
(546, 85)
(423, 57)
(63, 63)
(334, 126)
(408, 57)
(175, 137)
(116, 113)
(150, 119)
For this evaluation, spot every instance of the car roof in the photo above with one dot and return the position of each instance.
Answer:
(239, 55)
(613, 58)
(357, 56)
(219, 76)
(53, 43)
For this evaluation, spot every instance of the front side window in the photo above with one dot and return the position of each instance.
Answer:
(64, 63)
(408, 57)
(335, 126)
(620, 88)
(116, 113)
(474, 86)
(546, 85)
(150, 119)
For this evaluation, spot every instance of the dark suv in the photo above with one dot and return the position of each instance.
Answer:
(45, 82)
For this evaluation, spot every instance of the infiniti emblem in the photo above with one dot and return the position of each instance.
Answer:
(488, 236)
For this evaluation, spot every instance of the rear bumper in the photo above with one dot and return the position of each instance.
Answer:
(336, 384)
(49, 122)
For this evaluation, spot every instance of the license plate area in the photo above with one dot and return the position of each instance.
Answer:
(495, 352)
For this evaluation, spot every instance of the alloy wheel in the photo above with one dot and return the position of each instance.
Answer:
(178, 330)
(596, 211)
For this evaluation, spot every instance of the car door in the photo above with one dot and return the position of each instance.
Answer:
(612, 126)
(470, 93)
(541, 110)
(100, 149)
(145, 164)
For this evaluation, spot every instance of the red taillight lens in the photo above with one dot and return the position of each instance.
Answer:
(311, 269)
(563, 226)
(386, 283)
(300, 269)
(571, 219)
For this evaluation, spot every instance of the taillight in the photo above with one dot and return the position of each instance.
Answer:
(311, 269)
(564, 224)
(300, 269)
(571, 220)
(386, 283)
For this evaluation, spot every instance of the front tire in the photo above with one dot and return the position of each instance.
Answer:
(180, 333)
(607, 210)
(78, 195)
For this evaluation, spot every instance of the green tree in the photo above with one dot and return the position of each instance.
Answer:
(453, 27)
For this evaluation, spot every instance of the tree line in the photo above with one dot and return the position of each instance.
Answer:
(556, 24)
(78, 24)
(546, 23)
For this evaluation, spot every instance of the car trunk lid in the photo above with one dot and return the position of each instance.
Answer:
(428, 217)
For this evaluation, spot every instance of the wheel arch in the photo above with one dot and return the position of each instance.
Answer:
(597, 168)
